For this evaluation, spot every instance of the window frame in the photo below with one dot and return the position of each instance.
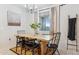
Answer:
(46, 10)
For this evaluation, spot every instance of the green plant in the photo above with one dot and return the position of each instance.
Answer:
(35, 26)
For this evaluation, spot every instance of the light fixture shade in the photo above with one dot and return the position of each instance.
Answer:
(31, 8)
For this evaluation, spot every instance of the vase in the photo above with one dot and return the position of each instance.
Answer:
(36, 32)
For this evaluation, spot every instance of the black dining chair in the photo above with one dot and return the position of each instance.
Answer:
(53, 43)
(20, 43)
(31, 44)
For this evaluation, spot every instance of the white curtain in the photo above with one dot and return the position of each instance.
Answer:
(53, 27)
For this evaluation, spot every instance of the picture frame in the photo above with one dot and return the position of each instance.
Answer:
(13, 19)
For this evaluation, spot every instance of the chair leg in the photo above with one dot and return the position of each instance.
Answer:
(54, 51)
(58, 52)
(25, 51)
(32, 51)
(46, 51)
(16, 47)
(21, 49)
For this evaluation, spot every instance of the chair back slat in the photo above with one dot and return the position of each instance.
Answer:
(55, 38)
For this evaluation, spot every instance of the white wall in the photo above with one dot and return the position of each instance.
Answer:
(6, 31)
(66, 10)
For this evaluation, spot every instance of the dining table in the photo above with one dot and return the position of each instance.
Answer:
(43, 40)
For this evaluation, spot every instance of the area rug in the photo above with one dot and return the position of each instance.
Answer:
(19, 51)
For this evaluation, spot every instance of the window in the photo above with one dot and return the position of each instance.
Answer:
(44, 21)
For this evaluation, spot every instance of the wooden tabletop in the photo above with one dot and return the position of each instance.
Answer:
(40, 37)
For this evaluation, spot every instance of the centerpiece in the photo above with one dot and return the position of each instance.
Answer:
(35, 27)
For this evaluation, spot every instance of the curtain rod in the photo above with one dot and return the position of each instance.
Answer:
(63, 4)
(44, 9)
(49, 8)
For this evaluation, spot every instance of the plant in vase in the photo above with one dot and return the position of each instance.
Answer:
(35, 27)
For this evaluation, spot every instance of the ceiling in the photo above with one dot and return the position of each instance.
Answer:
(39, 6)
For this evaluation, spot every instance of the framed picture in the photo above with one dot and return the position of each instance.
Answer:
(13, 19)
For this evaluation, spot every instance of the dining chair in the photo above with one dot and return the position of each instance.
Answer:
(53, 43)
(20, 43)
(31, 45)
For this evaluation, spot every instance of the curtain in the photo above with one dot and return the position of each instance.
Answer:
(53, 27)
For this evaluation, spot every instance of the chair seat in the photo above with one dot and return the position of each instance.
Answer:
(19, 42)
(52, 46)
(31, 44)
